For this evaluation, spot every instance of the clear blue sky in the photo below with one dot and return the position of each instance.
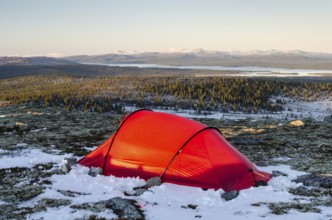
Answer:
(43, 27)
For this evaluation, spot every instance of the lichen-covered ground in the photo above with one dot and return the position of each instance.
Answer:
(34, 141)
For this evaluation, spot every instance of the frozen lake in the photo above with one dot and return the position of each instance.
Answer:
(244, 70)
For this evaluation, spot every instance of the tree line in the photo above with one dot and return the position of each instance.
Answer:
(112, 93)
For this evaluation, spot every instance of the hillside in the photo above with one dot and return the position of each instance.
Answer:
(273, 58)
(13, 60)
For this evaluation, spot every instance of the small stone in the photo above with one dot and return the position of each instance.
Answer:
(71, 161)
(94, 171)
(139, 192)
(54, 203)
(230, 195)
(136, 192)
(124, 208)
(154, 181)
(65, 168)
(19, 126)
(261, 183)
(297, 123)
(276, 173)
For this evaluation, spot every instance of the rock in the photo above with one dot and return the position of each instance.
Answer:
(139, 192)
(230, 195)
(71, 193)
(328, 119)
(93, 207)
(94, 171)
(136, 191)
(53, 203)
(297, 123)
(276, 173)
(124, 208)
(261, 183)
(317, 180)
(154, 181)
(189, 206)
(71, 161)
(65, 168)
(19, 126)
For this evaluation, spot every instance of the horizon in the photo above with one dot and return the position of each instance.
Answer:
(168, 51)
(67, 28)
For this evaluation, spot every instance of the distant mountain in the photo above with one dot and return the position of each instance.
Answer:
(262, 58)
(13, 61)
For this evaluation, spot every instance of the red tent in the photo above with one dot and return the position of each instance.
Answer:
(179, 150)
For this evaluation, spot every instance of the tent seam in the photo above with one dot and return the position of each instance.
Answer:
(183, 146)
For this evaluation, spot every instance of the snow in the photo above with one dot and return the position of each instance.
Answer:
(90, 148)
(317, 110)
(27, 157)
(282, 159)
(66, 213)
(38, 130)
(167, 201)
(170, 201)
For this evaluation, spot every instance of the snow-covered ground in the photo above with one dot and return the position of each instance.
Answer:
(317, 110)
(167, 201)
(27, 157)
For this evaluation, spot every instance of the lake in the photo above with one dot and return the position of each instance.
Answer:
(244, 70)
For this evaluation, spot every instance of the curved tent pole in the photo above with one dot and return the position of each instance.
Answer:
(180, 149)
(117, 131)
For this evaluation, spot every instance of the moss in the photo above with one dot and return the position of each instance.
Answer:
(16, 195)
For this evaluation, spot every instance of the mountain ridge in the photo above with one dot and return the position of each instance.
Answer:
(38, 60)
(296, 59)
(262, 58)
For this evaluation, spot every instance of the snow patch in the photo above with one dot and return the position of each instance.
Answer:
(38, 130)
(282, 159)
(317, 110)
(66, 213)
(170, 201)
(90, 148)
(28, 158)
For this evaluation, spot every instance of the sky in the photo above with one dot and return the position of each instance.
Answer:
(72, 27)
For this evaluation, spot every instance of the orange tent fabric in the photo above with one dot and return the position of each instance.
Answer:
(179, 150)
